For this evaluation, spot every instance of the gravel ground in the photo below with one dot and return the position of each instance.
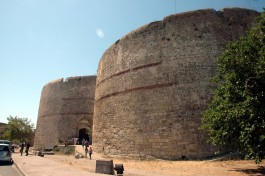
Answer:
(168, 168)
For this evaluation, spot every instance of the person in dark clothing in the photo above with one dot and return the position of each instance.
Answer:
(90, 152)
(86, 143)
(27, 149)
(22, 148)
(86, 151)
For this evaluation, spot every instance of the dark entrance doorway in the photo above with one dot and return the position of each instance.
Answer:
(83, 134)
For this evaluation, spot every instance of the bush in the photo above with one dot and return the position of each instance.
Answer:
(68, 150)
(56, 148)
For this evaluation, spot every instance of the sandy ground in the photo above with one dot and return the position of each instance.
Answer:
(168, 168)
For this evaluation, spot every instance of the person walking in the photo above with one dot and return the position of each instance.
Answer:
(21, 148)
(86, 143)
(83, 143)
(86, 151)
(27, 149)
(90, 152)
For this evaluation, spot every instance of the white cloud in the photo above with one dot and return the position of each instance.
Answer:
(100, 33)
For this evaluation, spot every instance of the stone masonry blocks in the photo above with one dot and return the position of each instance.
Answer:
(154, 83)
(64, 103)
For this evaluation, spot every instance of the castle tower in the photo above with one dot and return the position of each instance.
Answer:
(65, 111)
(154, 84)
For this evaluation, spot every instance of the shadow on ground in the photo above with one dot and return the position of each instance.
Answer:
(5, 163)
(258, 172)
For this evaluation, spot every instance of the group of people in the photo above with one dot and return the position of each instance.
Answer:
(22, 146)
(85, 144)
(88, 150)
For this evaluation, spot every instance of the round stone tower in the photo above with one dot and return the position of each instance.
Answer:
(154, 83)
(65, 111)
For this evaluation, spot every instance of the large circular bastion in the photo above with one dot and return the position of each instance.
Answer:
(65, 111)
(154, 84)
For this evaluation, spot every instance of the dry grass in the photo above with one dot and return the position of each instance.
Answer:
(169, 168)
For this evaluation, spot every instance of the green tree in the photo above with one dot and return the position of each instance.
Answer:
(18, 129)
(235, 118)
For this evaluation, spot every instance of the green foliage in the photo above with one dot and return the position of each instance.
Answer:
(235, 117)
(68, 150)
(18, 129)
(56, 148)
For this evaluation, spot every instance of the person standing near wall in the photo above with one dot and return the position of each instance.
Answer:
(86, 143)
(83, 143)
(86, 148)
(27, 149)
(90, 152)
(86, 151)
(21, 148)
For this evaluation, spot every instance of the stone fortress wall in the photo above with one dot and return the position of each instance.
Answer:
(154, 83)
(65, 111)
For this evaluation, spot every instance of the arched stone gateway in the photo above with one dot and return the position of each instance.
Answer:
(83, 135)
(66, 107)
(154, 83)
(84, 131)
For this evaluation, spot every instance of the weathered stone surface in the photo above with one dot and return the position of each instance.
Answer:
(105, 167)
(66, 106)
(154, 83)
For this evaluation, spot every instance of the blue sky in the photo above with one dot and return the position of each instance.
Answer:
(43, 40)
